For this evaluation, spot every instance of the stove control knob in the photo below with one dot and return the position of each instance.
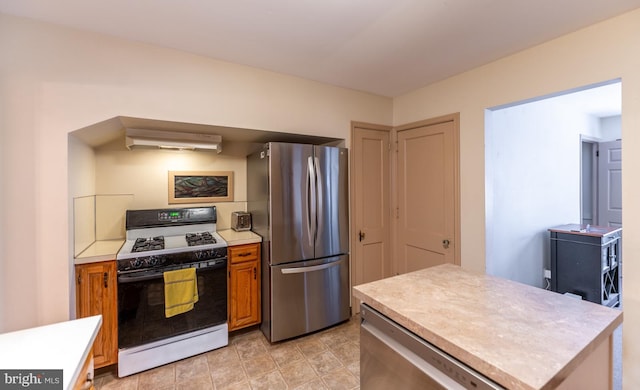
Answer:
(153, 260)
(137, 263)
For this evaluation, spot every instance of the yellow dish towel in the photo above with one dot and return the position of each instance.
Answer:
(180, 291)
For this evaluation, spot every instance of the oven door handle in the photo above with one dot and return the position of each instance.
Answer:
(132, 278)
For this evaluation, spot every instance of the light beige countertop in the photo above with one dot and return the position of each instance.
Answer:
(517, 335)
(239, 238)
(99, 251)
(65, 345)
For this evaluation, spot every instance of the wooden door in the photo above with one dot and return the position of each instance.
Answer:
(96, 293)
(371, 254)
(427, 185)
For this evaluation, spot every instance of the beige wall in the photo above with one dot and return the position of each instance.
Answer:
(56, 80)
(601, 52)
(144, 174)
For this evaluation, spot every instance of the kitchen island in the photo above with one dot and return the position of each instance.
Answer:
(518, 336)
(62, 346)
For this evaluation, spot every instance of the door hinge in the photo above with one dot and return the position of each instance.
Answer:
(396, 146)
(106, 279)
(397, 212)
(597, 153)
(79, 279)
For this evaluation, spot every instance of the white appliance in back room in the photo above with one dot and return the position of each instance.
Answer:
(297, 195)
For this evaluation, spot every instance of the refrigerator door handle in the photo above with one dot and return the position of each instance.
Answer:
(311, 196)
(300, 270)
(319, 201)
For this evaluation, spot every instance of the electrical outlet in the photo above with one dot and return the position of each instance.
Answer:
(547, 274)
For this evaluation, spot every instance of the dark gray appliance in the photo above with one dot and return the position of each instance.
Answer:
(297, 195)
(587, 261)
(393, 357)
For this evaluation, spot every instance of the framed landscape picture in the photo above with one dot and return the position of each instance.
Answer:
(200, 186)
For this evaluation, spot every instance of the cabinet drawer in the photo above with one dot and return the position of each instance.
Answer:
(242, 253)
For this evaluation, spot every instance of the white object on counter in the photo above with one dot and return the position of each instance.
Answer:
(64, 345)
(233, 237)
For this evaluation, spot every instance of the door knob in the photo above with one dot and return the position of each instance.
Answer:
(361, 235)
(445, 243)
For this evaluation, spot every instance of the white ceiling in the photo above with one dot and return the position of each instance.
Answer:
(386, 47)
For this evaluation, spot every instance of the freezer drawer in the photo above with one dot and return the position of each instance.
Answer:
(308, 296)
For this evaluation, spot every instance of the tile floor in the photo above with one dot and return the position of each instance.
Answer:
(329, 359)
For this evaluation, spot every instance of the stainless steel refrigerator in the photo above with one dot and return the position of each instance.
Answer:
(298, 198)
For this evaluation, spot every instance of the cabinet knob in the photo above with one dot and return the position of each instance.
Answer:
(445, 243)
(361, 235)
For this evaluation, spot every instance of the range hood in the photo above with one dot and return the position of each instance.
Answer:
(143, 138)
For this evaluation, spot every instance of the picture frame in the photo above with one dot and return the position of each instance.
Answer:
(200, 186)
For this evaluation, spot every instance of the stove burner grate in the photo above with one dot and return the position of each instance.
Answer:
(204, 238)
(148, 244)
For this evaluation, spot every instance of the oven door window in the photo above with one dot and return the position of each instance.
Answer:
(141, 315)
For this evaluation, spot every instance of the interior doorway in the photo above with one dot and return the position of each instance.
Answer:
(601, 181)
(533, 177)
(533, 173)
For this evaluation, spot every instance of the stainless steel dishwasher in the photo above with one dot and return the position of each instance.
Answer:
(393, 357)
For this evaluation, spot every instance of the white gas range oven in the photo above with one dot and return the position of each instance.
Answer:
(157, 241)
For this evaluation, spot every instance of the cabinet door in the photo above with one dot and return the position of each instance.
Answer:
(244, 292)
(86, 377)
(96, 294)
(244, 286)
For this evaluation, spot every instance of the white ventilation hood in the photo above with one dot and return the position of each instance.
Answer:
(143, 138)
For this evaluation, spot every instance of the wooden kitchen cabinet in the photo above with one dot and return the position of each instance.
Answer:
(85, 379)
(96, 293)
(244, 286)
